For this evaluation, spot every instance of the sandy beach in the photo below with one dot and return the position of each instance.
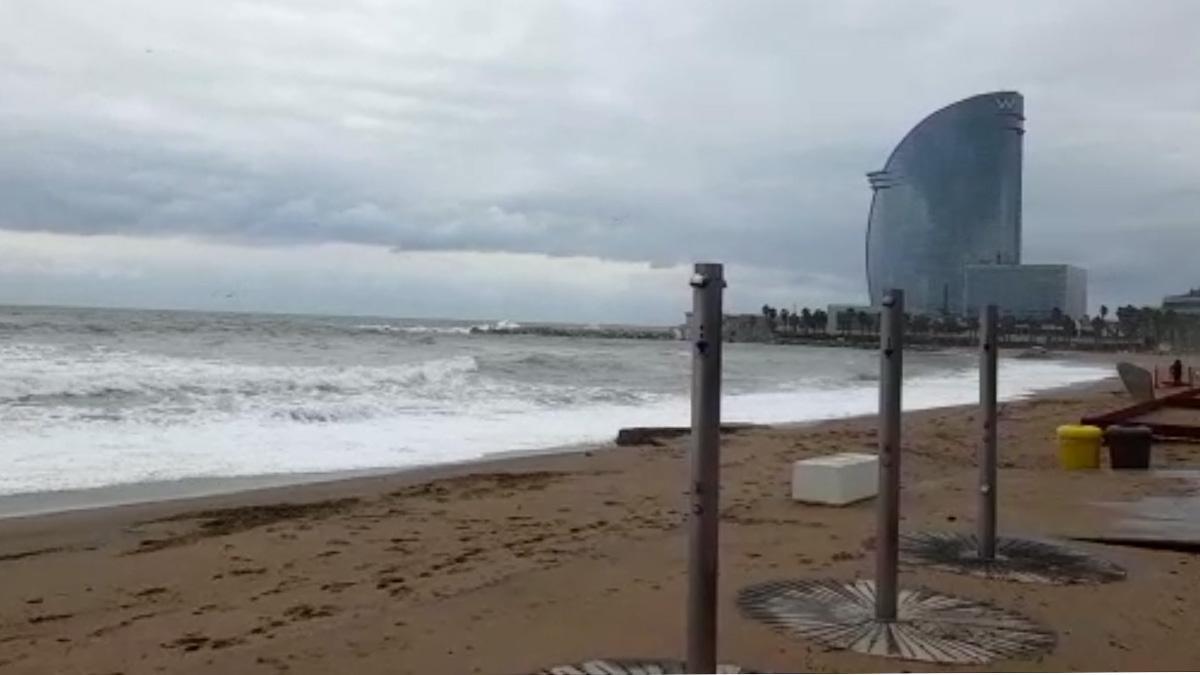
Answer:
(522, 563)
(356, 337)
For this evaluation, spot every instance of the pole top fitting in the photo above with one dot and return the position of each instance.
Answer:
(706, 273)
(892, 297)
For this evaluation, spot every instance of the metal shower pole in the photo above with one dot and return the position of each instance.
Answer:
(989, 350)
(708, 284)
(891, 371)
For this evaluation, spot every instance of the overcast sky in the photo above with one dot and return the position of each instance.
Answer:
(560, 160)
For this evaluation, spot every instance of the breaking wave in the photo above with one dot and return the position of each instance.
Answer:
(124, 406)
(435, 330)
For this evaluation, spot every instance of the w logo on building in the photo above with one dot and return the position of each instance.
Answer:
(1006, 102)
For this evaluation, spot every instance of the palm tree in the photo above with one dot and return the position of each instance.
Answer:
(1008, 325)
(845, 321)
(770, 313)
(1069, 327)
(806, 319)
(921, 324)
(950, 324)
(866, 322)
(1153, 319)
(820, 320)
(1127, 320)
(783, 318)
(1189, 326)
(1171, 324)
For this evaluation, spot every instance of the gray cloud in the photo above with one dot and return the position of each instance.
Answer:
(654, 132)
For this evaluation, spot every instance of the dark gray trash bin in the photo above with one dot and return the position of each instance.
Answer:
(1129, 447)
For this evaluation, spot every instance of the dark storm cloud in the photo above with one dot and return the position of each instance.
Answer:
(640, 132)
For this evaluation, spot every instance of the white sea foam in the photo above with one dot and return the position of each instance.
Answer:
(210, 418)
(436, 330)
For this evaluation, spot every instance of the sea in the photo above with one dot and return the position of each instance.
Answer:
(110, 398)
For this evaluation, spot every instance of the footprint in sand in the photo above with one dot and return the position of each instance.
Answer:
(247, 571)
(337, 586)
(190, 642)
(305, 612)
(47, 618)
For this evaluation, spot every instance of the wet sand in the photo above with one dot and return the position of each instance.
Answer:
(521, 563)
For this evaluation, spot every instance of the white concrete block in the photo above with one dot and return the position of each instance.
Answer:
(836, 479)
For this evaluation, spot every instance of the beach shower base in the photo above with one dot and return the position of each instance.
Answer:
(930, 626)
(1021, 560)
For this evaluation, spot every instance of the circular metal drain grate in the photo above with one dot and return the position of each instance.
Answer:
(1016, 559)
(631, 667)
(929, 627)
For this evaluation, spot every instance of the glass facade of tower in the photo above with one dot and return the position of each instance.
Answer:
(949, 196)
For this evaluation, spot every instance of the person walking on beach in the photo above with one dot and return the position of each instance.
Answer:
(1177, 372)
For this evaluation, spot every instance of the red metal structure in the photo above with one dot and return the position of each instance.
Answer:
(1188, 399)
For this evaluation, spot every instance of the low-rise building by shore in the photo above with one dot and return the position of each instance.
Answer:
(1185, 303)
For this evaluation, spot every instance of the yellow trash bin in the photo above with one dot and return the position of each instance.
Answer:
(1079, 446)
